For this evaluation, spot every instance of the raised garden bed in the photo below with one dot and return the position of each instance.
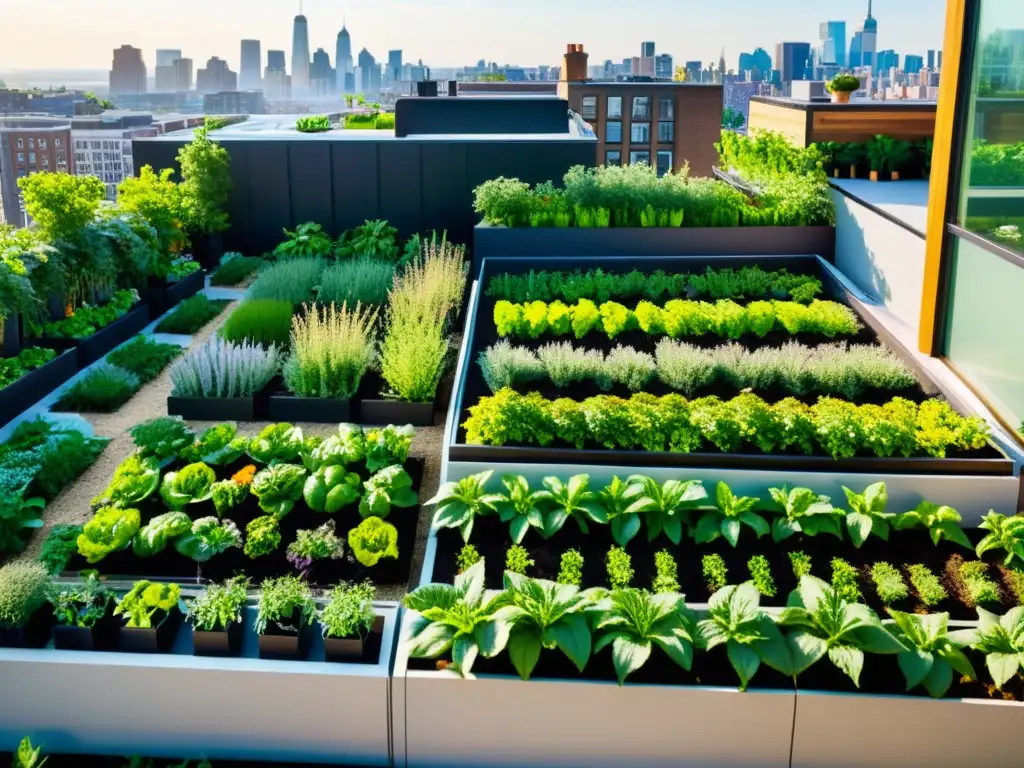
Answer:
(20, 395)
(161, 298)
(316, 410)
(220, 408)
(91, 349)
(987, 468)
(491, 242)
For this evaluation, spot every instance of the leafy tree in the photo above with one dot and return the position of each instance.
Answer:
(679, 75)
(61, 204)
(205, 183)
(732, 119)
(159, 200)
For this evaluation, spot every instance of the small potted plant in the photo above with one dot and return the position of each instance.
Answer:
(217, 618)
(848, 155)
(285, 610)
(347, 620)
(887, 154)
(152, 616)
(841, 87)
(84, 619)
(24, 620)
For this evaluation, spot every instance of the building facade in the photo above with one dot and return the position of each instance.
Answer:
(322, 80)
(832, 49)
(29, 145)
(164, 74)
(182, 75)
(277, 83)
(216, 77)
(128, 72)
(343, 59)
(300, 55)
(792, 61)
(394, 71)
(249, 77)
(234, 103)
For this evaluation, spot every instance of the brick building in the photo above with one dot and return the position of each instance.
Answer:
(29, 145)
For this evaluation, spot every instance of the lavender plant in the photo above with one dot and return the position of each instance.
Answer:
(221, 369)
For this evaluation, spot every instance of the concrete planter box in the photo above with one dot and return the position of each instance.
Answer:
(170, 705)
(553, 242)
(841, 730)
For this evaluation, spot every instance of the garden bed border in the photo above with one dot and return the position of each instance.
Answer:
(165, 297)
(18, 396)
(105, 340)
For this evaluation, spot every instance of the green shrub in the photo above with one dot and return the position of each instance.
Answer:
(716, 575)
(13, 368)
(570, 569)
(620, 568)
(927, 585)
(313, 124)
(307, 241)
(235, 270)
(59, 547)
(761, 573)
(364, 280)
(23, 587)
(331, 352)
(844, 580)
(144, 357)
(103, 390)
(294, 281)
(801, 563)
(888, 583)
(191, 315)
(517, 559)
(262, 321)
(666, 577)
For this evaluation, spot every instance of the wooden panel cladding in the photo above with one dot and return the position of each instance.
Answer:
(791, 123)
(862, 124)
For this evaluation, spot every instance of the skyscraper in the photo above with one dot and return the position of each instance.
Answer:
(128, 72)
(931, 59)
(394, 72)
(165, 58)
(216, 77)
(833, 43)
(182, 71)
(647, 50)
(249, 78)
(322, 80)
(343, 57)
(367, 70)
(864, 46)
(791, 60)
(663, 66)
(912, 64)
(276, 82)
(300, 55)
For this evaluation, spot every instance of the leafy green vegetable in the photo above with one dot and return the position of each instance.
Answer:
(277, 443)
(624, 502)
(262, 536)
(867, 513)
(278, 487)
(209, 537)
(732, 513)
(145, 600)
(667, 505)
(134, 481)
(1005, 533)
(390, 487)
(330, 489)
(372, 540)
(219, 445)
(458, 503)
(1001, 639)
(347, 447)
(159, 532)
(110, 529)
(571, 499)
(227, 494)
(519, 507)
(388, 446)
(192, 484)
(933, 653)
(803, 511)
(942, 522)
(162, 438)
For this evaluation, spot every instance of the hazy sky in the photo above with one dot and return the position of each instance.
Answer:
(63, 34)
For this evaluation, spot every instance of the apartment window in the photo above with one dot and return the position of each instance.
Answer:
(664, 161)
(613, 157)
(590, 107)
(614, 106)
(640, 133)
(97, 145)
(21, 143)
(42, 143)
(61, 160)
(666, 108)
(31, 143)
(614, 130)
(666, 131)
(21, 173)
(641, 107)
(31, 158)
(58, 142)
(21, 157)
(46, 162)
(639, 157)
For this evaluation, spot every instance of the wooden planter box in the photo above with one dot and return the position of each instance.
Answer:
(34, 386)
(91, 349)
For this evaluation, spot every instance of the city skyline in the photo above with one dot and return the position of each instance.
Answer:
(507, 35)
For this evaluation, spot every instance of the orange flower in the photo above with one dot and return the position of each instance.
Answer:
(244, 475)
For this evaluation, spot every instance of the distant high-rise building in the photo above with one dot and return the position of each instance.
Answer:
(913, 64)
(216, 77)
(833, 43)
(249, 78)
(663, 66)
(343, 57)
(300, 55)
(277, 84)
(394, 72)
(627, 66)
(275, 60)
(759, 60)
(642, 66)
(182, 75)
(647, 50)
(931, 59)
(886, 60)
(234, 103)
(367, 68)
(693, 70)
(864, 45)
(322, 80)
(164, 73)
(128, 72)
(939, 60)
(791, 60)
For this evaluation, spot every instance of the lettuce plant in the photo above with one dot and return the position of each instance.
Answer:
(276, 444)
(519, 507)
(933, 653)
(330, 489)
(111, 529)
(550, 616)
(570, 499)
(867, 513)
(668, 504)
(372, 540)
(732, 513)
(736, 620)
(387, 446)
(228, 494)
(218, 445)
(463, 618)
(390, 487)
(159, 532)
(145, 600)
(278, 487)
(458, 503)
(1001, 639)
(805, 512)
(624, 502)
(821, 622)
(262, 536)
(1005, 533)
(346, 447)
(162, 438)
(942, 522)
(135, 480)
(208, 537)
(191, 484)
(633, 621)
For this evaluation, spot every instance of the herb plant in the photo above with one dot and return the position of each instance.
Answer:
(668, 505)
(844, 580)
(233, 271)
(667, 573)
(23, 590)
(331, 351)
(888, 583)
(867, 514)
(312, 545)
(801, 563)
(933, 653)
(145, 601)
(349, 611)
(517, 560)
(282, 600)
(163, 438)
(761, 574)
(59, 547)
(220, 606)
(570, 499)
(570, 570)
(942, 522)
(458, 503)
(262, 536)
(372, 540)
(80, 605)
(714, 571)
(1001, 639)
(468, 557)
(259, 321)
(103, 390)
(191, 315)
(803, 511)
(732, 513)
(624, 502)
(619, 565)
(144, 357)
(220, 369)
(293, 281)
(1005, 533)
(977, 584)
(519, 507)
(28, 756)
(927, 585)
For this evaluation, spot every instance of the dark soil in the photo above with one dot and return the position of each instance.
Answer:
(491, 538)
(170, 565)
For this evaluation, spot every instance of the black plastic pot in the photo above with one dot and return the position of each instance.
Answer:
(100, 637)
(396, 412)
(34, 634)
(35, 385)
(312, 409)
(207, 249)
(94, 347)
(155, 639)
(164, 296)
(351, 650)
(278, 643)
(216, 408)
(218, 643)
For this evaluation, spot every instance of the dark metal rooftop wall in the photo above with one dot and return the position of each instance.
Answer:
(480, 114)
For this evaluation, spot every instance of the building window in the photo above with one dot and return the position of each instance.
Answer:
(641, 107)
(60, 160)
(666, 131)
(46, 162)
(31, 157)
(614, 130)
(640, 133)
(42, 143)
(614, 106)
(590, 107)
(58, 142)
(639, 157)
(664, 161)
(97, 145)
(666, 108)
(613, 157)
(21, 143)
(31, 143)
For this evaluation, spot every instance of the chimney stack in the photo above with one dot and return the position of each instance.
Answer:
(574, 65)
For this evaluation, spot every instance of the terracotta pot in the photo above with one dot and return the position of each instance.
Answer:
(895, 175)
(873, 175)
(835, 172)
(853, 171)
(840, 97)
